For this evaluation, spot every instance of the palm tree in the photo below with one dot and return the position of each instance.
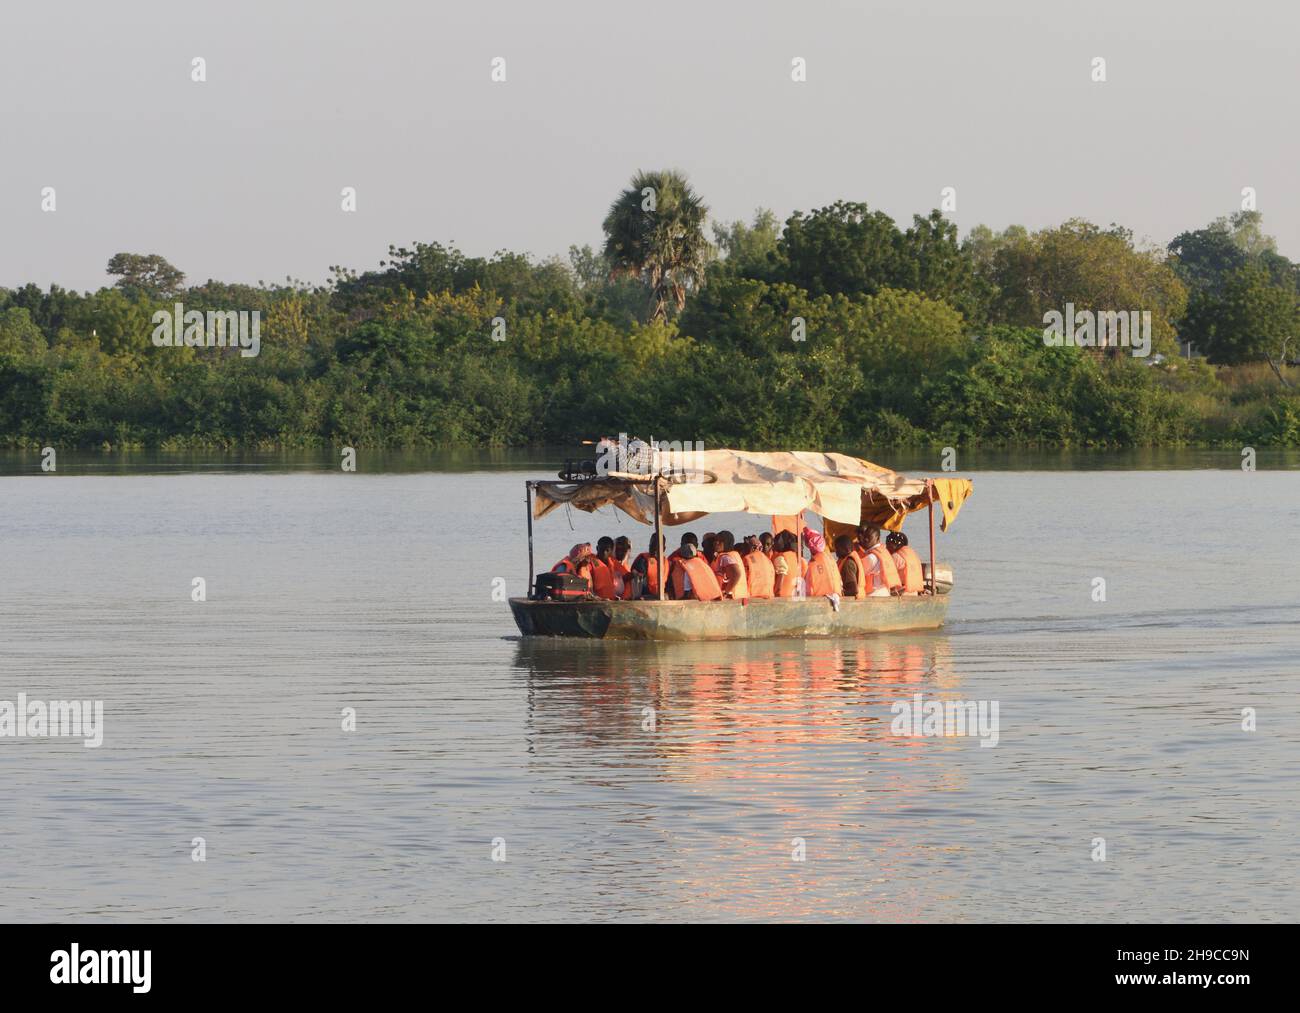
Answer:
(655, 231)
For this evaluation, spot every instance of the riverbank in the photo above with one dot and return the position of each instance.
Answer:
(546, 461)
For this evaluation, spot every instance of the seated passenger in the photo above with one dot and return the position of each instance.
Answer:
(907, 562)
(787, 566)
(758, 569)
(620, 566)
(602, 570)
(852, 572)
(691, 577)
(647, 564)
(728, 568)
(577, 562)
(708, 547)
(823, 576)
(880, 564)
(687, 539)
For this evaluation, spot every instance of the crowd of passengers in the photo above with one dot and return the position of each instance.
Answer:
(759, 566)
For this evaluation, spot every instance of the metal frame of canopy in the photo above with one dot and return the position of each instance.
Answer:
(658, 480)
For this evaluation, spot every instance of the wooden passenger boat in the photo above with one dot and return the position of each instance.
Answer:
(844, 491)
(751, 619)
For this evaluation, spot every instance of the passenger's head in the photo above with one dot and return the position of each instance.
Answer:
(622, 546)
(580, 551)
(765, 540)
(868, 536)
(690, 539)
(843, 546)
(895, 541)
(709, 545)
(752, 544)
(784, 542)
(688, 551)
(813, 539)
(724, 541)
(654, 545)
(604, 546)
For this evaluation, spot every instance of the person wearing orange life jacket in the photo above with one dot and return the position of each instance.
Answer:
(759, 574)
(619, 566)
(604, 580)
(864, 566)
(787, 567)
(687, 539)
(907, 562)
(709, 547)
(765, 543)
(690, 577)
(823, 575)
(880, 564)
(851, 568)
(577, 562)
(728, 567)
(647, 564)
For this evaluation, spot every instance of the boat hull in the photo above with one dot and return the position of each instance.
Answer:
(755, 619)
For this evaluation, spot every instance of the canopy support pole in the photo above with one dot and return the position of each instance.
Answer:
(929, 488)
(528, 499)
(659, 542)
(798, 523)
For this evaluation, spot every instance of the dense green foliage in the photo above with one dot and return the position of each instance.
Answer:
(838, 329)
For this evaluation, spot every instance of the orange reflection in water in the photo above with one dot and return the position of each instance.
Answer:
(710, 698)
(768, 741)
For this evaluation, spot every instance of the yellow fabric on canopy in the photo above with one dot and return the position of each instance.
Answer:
(952, 493)
(838, 487)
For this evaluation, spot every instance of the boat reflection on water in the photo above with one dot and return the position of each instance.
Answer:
(751, 691)
(735, 751)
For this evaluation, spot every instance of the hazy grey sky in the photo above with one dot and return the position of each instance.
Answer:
(239, 177)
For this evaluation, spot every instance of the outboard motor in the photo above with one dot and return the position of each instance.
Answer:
(943, 577)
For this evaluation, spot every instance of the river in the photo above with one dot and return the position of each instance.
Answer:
(641, 782)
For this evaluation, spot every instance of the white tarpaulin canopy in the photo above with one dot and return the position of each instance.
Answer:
(840, 488)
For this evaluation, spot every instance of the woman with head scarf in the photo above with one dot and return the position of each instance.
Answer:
(823, 576)
(577, 562)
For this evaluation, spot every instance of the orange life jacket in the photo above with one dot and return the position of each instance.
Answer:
(602, 579)
(908, 564)
(704, 585)
(760, 575)
(651, 573)
(566, 565)
(861, 591)
(741, 588)
(622, 574)
(793, 571)
(887, 575)
(823, 577)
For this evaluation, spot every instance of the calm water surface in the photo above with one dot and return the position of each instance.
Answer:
(1119, 719)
